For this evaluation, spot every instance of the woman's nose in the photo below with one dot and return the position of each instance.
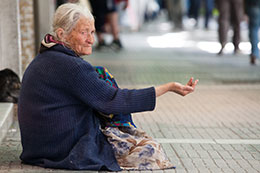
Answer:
(90, 39)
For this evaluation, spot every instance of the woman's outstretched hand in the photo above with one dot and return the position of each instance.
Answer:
(177, 88)
(184, 89)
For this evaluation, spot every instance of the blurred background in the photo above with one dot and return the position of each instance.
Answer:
(180, 32)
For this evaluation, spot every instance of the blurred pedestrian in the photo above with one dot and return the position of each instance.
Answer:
(152, 10)
(194, 10)
(230, 13)
(175, 12)
(252, 9)
(105, 12)
(121, 6)
(208, 6)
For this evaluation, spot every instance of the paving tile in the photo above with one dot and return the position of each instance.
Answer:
(192, 154)
(227, 170)
(210, 163)
(236, 155)
(225, 154)
(215, 170)
(232, 163)
(214, 154)
(240, 170)
(221, 163)
(244, 163)
(247, 155)
(180, 171)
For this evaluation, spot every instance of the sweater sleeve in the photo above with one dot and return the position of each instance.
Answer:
(97, 94)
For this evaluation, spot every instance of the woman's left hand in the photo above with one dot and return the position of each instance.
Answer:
(184, 89)
(177, 88)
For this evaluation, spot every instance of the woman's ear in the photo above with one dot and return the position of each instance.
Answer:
(60, 34)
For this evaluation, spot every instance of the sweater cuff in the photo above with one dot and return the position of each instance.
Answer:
(150, 98)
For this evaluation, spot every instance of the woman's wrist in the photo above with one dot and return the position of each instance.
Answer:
(172, 86)
(162, 89)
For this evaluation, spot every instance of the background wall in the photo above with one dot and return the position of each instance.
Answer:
(43, 12)
(10, 47)
(27, 32)
(23, 24)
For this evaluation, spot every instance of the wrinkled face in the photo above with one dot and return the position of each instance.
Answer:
(81, 38)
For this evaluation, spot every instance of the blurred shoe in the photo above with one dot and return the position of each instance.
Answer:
(252, 59)
(116, 45)
(101, 45)
(221, 51)
(237, 51)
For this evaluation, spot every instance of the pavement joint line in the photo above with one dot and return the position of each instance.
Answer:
(209, 141)
(237, 141)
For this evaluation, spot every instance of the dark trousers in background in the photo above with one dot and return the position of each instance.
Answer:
(230, 13)
(194, 10)
(209, 5)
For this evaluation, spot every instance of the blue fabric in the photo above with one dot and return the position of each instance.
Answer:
(59, 98)
(209, 5)
(112, 120)
(194, 7)
(254, 23)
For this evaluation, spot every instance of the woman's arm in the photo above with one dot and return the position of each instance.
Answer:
(176, 87)
(97, 94)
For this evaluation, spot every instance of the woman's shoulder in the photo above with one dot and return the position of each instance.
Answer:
(63, 56)
(61, 62)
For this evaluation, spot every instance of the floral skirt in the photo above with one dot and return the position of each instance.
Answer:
(135, 150)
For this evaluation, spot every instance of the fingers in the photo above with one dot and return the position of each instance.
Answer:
(195, 83)
(188, 88)
(190, 81)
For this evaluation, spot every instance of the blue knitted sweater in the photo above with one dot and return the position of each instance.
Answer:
(59, 98)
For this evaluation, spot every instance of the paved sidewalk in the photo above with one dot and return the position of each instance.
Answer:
(214, 129)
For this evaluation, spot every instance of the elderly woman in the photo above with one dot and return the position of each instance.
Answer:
(63, 96)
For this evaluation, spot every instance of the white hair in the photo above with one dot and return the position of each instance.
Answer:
(67, 15)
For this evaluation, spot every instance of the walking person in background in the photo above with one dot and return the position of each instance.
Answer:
(175, 12)
(208, 5)
(252, 10)
(230, 13)
(194, 10)
(63, 97)
(106, 14)
(121, 6)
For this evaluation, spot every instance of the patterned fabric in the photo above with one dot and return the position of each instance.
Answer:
(111, 120)
(106, 75)
(48, 42)
(135, 150)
